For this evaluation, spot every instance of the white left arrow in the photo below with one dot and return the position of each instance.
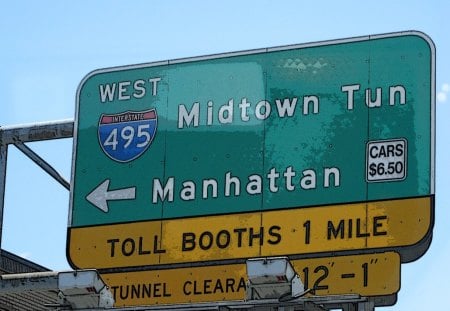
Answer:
(100, 196)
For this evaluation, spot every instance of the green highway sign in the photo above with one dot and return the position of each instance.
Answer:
(314, 125)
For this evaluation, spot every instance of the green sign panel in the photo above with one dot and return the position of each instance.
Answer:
(294, 127)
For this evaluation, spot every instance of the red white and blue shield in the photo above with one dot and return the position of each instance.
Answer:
(126, 136)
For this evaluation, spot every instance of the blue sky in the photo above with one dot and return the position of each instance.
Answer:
(47, 47)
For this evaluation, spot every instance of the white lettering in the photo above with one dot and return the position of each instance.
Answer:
(262, 105)
(254, 185)
(287, 107)
(154, 82)
(308, 181)
(336, 176)
(107, 92)
(244, 106)
(350, 89)
(188, 191)
(272, 176)
(209, 120)
(139, 88)
(123, 88)
(226, 113)
(209, 183)
(232, 180)
(377, 102)
(167, 192)
(393, 91)
(288, 174)
(186, 118)
(310, 99)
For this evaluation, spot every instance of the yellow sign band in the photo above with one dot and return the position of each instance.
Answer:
(347, 227)
(366, 275)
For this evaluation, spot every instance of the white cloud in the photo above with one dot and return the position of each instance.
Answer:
(445, 87)
(441, 97)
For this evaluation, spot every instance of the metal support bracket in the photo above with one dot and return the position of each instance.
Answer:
(18, 135)
(42, 164)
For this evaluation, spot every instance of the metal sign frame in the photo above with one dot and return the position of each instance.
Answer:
(18, 135)
(101, 193)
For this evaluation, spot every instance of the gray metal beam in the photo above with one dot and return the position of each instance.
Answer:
(3, 158)
(42, 164)
(71, 290)
(18, 135)
(366, 306)
(37, 281)
(350, 307)
(36, 131)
